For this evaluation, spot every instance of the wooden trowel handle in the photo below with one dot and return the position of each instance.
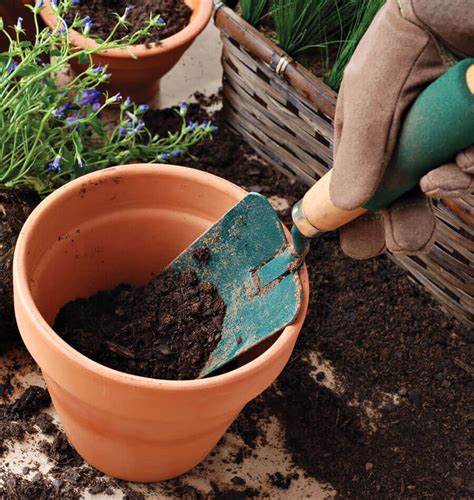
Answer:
(439, 124)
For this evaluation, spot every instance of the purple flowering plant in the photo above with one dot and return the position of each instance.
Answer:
(51, 133)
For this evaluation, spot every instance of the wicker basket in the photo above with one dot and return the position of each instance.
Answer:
(286, 114)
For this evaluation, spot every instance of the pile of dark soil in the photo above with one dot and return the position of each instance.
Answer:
(69, 478)
(165, 329)
(17, 418)
(175, 13)
(15, 207)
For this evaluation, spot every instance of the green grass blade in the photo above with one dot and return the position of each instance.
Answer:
(253, 10)
(364, 13)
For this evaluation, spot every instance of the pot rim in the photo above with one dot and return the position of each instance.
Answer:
(197, 23)
(50, 337)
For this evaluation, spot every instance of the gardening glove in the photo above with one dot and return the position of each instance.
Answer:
(409, 44)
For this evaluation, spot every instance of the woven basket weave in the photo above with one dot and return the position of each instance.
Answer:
(286, 114)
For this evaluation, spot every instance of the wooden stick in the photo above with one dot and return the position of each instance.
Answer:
(308, 86)
(321, 211)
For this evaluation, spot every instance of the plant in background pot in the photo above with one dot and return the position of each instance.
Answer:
(50, 133)
(136, 69)
(322, 35)
(121, 225)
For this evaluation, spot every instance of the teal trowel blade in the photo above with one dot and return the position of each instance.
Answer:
(253, 268)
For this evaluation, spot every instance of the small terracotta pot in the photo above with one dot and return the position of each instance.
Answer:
(114, 226)
(10, 11)
(139, 77)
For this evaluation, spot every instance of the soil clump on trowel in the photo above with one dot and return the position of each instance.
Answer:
(166, 329)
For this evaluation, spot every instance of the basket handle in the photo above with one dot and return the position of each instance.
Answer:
(438, 125)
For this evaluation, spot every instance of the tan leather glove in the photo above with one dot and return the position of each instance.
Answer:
(409, 44)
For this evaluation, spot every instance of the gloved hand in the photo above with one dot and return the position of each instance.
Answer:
(409, 44)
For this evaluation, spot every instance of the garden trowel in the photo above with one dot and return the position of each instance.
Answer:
(255, 267)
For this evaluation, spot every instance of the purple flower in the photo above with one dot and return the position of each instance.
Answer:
(54, 4)
(122, 131)
(19, 24)
(59, 112)
(160, 21)
(98, 69)
(79, 162)
(176, 153)
(87, 24)
(90, 96)
(192, 126)
(12, 67)
(76, 2)
(55, 165)
(72, 120)
(143, 108)
(115, 98)
(39, 4)
(209, 126)
(132, 117)
(139, 126)
(183, 108)
(127, 103)
(126, 13)
(164, 156)
(63, 28)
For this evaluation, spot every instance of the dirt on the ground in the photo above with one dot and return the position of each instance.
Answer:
(166, 329)
(398, 421)
(175, 13)
(15, 206)
(16, 418)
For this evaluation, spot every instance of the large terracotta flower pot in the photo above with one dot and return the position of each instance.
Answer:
(121, 225)
(138, 77)
(10, 11)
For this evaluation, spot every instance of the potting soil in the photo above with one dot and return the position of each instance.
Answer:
(175, 13)
(165, 329)
(15, 206)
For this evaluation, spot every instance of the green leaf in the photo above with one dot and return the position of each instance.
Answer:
(83, 59)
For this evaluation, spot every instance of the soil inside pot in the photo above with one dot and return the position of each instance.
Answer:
(15, 206)
(175, 13)
(166, 329)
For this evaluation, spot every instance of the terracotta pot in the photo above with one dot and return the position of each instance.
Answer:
(139, 77)
(10, 11)
(121, 225)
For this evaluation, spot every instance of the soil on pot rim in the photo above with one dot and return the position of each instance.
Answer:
(175, 13)
(166, 329)
(15, 207)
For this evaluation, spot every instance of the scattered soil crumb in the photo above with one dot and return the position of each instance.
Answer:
(282, 481)
(201, 255)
